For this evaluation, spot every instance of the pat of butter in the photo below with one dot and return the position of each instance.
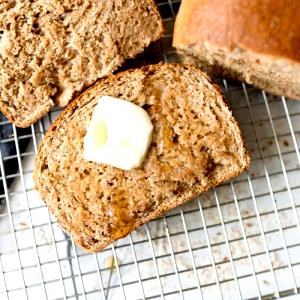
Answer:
(119, 134)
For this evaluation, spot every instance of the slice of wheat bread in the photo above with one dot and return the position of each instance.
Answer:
(253, 41)
(196, 145)
(51, 51)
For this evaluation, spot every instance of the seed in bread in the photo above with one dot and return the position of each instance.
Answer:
(196, 145)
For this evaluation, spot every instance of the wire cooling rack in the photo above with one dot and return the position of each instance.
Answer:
(240, 240)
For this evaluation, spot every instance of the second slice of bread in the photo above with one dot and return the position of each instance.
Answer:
(196, 145)
(51, 50)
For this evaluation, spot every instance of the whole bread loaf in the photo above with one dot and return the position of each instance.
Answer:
(51, 50)
(196, 145)
(253, 41)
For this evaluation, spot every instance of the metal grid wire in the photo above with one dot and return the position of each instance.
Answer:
(241, 240)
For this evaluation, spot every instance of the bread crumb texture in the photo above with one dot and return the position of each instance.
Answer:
(196, 145)
(51, 50)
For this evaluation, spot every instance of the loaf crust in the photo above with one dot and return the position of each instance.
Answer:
(51, 50)
(253, 41)
(196, 145)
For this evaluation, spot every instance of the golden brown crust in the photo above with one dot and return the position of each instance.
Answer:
(267, 27)
(182, 103)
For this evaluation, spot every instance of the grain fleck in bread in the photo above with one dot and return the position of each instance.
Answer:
(196, 145)
(253, 41)
(50, 50)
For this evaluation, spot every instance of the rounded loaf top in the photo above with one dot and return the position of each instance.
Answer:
(267, 27)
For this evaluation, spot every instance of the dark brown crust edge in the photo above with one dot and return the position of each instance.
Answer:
(152, 215)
